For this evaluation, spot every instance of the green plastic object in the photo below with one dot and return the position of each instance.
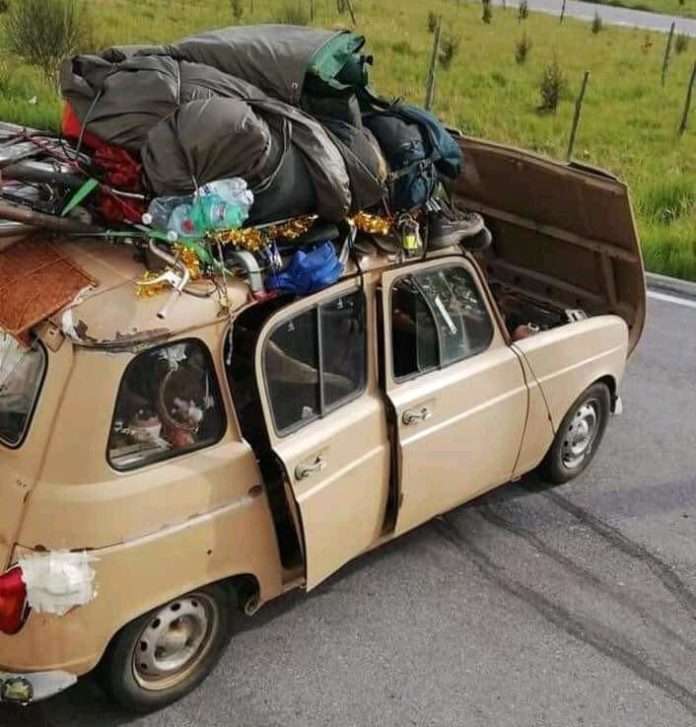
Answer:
(83, 192)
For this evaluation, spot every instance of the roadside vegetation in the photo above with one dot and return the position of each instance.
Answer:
(512, 79)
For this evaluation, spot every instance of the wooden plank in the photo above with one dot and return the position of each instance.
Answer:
(588, 243)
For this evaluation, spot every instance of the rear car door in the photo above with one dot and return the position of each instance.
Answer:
(326, 422)
(457, 391)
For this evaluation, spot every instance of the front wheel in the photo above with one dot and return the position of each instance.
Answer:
(579, 435)
(163, 655)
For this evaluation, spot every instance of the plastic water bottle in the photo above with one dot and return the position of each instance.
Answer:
(232, 191)
(180, 221)
(160, 210)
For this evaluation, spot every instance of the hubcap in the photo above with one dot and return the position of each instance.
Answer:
(174, 641)
(580, 435)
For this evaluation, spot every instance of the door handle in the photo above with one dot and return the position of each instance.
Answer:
(411, 416)
(304, 470)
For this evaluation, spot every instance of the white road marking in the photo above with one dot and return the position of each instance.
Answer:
(672, 299)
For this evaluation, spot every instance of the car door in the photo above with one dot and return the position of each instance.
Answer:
(457, 391)
(326, 422)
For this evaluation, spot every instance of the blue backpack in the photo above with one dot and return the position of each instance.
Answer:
(419, 151)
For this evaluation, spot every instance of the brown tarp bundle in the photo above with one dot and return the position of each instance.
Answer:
(224, 104)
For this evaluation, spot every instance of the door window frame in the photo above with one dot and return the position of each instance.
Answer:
(315, 303)
(429, 266)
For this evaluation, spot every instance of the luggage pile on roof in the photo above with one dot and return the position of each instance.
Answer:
(279, 117)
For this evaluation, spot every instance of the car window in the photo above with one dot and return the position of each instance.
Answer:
(438, 318)
(316, 361)
(21, 375)
(168, 403)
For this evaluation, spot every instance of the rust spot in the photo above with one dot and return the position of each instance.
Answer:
(132, 341)
(255, 491)
(40, 548)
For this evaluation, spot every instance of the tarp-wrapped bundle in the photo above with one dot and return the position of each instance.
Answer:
(229, 104)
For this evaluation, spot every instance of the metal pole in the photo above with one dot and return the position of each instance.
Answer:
(668, 50)
(563, 10)
(430, 88)
(687, 103)
(576, 115)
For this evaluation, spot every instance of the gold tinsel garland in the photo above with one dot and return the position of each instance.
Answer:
(254, 239)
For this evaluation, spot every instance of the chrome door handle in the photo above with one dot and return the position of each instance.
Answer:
(413, 417)
(302, 471)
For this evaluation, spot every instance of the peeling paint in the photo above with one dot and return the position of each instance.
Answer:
(58, 581)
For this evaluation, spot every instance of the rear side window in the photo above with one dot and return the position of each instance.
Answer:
(316, 361)
(438, 318)
(168, 403)
(21, 375)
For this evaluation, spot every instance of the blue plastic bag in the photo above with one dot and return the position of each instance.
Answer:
(308, 271)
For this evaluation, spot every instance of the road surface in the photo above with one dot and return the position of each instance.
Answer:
(610, 15)
(525, 608)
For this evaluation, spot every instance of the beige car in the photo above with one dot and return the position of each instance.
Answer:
(160, 480)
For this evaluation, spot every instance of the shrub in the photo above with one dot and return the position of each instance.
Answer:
(43, 32)
(681, 42)
(448, 50)
(522, 48)
(432, 22)
(4, 6)
(647, 44)
(294, 12)
(553, 83)
(237, 9)
(596, 23)
(522, 11)
(487, 15)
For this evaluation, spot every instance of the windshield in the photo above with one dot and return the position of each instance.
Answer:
(21, 374)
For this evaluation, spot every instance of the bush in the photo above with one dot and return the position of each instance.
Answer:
(4, 6)
(294, 13)
(522, 11)
(596, 23)
(43, 32)
(522, 48)
(432, 22)
(487, 15)
(448, 50)
(237, 9)
(553, 83)
(681, 43)
(646, 45)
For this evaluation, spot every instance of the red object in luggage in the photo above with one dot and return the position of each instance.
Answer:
(121, 170)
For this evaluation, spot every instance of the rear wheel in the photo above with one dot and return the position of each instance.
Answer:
(579, 435)
(163, 655)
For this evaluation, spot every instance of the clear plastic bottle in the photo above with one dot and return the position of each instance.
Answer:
(160, 210)
(232, 191)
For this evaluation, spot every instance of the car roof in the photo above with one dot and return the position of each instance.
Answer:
(111, 315)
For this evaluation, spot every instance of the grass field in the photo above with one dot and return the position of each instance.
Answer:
(629, 120)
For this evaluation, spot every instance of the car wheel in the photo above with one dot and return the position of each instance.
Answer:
(163, 655)
(579, 435)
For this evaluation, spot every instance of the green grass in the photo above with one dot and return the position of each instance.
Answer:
(628, 124)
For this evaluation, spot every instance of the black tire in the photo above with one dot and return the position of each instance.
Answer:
(565, 460)
(126, 677)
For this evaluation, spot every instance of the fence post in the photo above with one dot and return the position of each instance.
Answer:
(668, 50)
(430, 87)
(576, 115)
(351, 10)
(687, 103)
(563, 10)
(311, 10)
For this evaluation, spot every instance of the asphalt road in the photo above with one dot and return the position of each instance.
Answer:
(610, 14)
(525, 608)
